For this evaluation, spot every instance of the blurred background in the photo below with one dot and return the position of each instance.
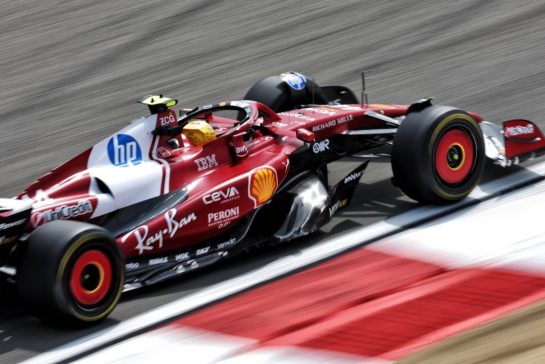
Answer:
(71, 71)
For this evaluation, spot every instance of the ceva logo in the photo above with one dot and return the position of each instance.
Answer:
(124, 150)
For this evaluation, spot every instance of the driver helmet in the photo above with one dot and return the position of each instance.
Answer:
(199, 132)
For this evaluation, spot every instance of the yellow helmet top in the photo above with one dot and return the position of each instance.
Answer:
(199, 132)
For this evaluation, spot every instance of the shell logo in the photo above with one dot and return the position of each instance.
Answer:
(262, 185)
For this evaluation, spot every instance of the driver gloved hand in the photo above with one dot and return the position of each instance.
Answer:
(169, 130)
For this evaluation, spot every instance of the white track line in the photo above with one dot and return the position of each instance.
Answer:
(305, 257)
(506, 231)
(170, 345)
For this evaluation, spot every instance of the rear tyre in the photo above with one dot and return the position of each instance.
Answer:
(438, 155)
(70, 272)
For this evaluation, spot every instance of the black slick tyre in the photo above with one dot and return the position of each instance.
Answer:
(438, 155)
(70, 272)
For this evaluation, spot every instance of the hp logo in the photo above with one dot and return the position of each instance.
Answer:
(295, 80)
(123, 150)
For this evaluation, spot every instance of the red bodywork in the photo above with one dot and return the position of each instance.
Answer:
(221, 188)
(225, 179)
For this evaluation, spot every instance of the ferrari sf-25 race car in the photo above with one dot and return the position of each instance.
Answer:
(171, 193)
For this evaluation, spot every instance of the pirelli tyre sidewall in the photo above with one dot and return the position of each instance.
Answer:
(70, 272)
(438, 155)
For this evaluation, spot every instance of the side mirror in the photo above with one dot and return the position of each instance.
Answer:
(305, 135)
(239, 145)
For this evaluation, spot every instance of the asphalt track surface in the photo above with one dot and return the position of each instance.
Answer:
(70, 72)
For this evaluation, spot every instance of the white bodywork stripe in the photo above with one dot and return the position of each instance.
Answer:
(166, 183)
(132, 182)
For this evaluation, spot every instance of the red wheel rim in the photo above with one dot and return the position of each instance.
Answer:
(91, 277)
(454, 156)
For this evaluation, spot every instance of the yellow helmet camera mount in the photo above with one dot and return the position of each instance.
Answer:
(157, 104)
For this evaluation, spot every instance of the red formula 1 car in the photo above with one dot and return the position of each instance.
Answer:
(168, 194)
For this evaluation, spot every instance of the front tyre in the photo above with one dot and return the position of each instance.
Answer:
(438, 155)
(70, 272)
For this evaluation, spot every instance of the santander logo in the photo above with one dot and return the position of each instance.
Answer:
(519, 130)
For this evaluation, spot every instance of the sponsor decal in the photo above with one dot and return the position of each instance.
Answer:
(174, 224)
(146, 241)
(167, 119)
(323, 126)
(241, 151)
(262, 185)
(63, 212)
(227, 244)
(224, 217)
(5, 226)
(295, 80)
(124, 151)
(222, 196)
(132, 266)
(254, 142)
(352, 177)
(207, 162)
(180, 257)
(332, 123)
(156, 261)
(513, 131)
(163, 152)
(333, 209)
(320, 146)
(293, 115)
(202, 251)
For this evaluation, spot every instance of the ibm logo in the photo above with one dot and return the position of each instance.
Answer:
(206, 162)
(123, 150)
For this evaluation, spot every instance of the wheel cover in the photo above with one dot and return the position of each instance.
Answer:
(91, 277)
(454, 156)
